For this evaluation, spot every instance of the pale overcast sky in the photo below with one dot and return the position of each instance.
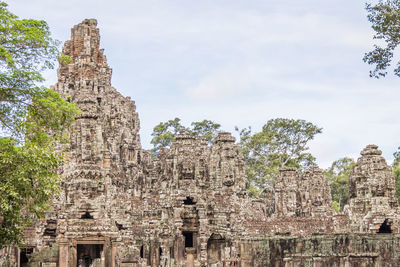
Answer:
(241, 63)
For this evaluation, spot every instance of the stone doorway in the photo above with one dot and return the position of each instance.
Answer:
(24, 256)
(90, 255)
(215, 249)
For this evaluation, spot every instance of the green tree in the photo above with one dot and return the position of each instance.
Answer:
(282, 142)
(206, 129)
(164, 133)
(396, 173)
(338, 178)
(32, 119)
(384, 17)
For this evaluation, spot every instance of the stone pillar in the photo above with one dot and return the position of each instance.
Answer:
(108, 252)
(114, 251)
(180, 250)
(63, 253)
(18, 256)
(74, 253)
(190, 260)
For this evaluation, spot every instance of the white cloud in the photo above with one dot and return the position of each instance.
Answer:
(224, 84)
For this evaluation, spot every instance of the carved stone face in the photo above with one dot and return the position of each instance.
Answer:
(228, 173)
(317, 198)
(186, 169)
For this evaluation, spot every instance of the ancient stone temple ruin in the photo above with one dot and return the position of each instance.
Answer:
(189, 206)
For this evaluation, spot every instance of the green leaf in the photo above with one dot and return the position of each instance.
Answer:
(32, 119)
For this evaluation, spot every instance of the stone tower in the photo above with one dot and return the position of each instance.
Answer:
(117, 205)
(302, 194)
(104, 158)
(372, 201)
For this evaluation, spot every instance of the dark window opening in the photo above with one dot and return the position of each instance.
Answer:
(120, 226)
(51, 228)
(99, 100)
(189, 201)
(160, 251)
(87, 254)
(141, 252)
(188, 239)
(385, 228)
(171, 252)
(87, 216)
(24, 256)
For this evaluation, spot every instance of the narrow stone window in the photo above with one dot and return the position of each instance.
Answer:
(189, 201)
(385, 228)
(87, 216)
(141, 252)
(188, 239)
(119, 226)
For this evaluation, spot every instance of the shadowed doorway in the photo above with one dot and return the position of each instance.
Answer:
(89, 255)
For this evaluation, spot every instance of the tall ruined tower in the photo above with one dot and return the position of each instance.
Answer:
(372, 202)
(102, 160)
(117, 206)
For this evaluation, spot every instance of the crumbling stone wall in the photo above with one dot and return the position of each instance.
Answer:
(302, 194)
(351, 250)
(189, 206)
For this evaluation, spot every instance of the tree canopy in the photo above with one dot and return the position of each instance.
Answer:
(396, 172)
(282, 142)
(32, 119)
(338, 175)
(384, 17)
(164, 133)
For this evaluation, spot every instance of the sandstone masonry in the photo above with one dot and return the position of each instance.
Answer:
(189, 206)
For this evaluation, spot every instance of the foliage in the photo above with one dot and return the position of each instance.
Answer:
(32, 118)
(396, 156)
(282, 142)
(338, 177)
(206, 129)
(254, 191)
(164, 133)
(396, 172)
(335, 206)
(384, 17)
(64, 59)
(27, 180)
